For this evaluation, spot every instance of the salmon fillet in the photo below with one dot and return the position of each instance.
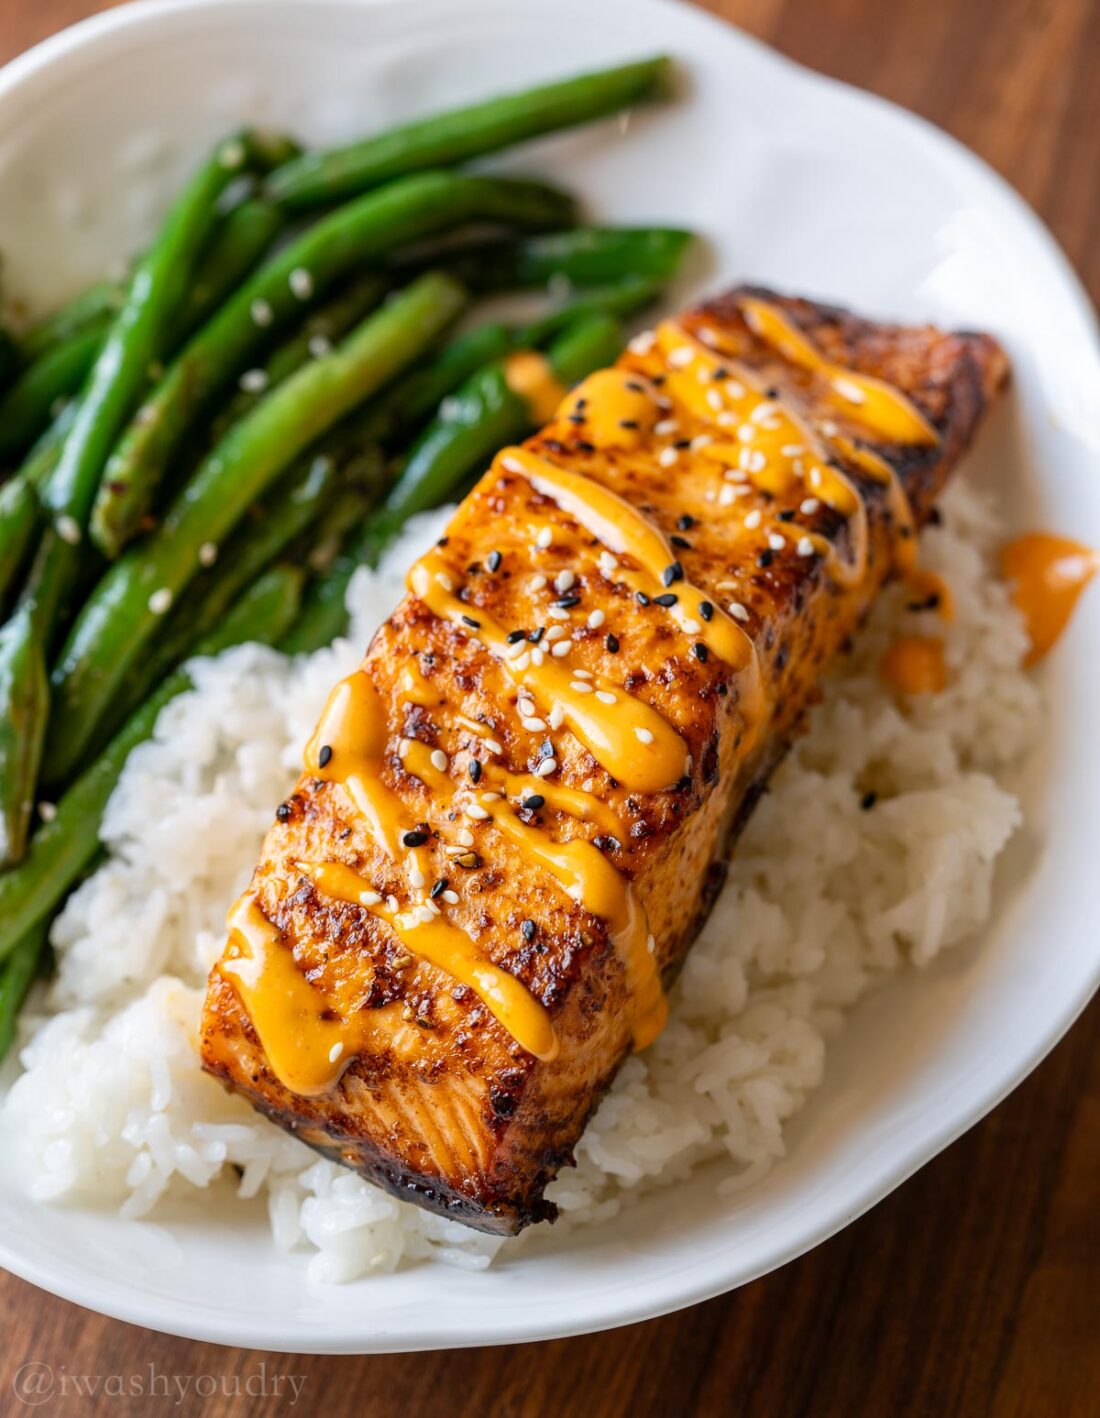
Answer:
(466, 913)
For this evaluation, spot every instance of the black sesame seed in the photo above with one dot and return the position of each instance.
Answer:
(474, 769)
(471, 622)
(546, 749)
(283, 811)
(633, 384)
(585, 447)
(771, 392)
(680, 542)
(666, 600)
(515, 636)
(442, 542)
(576, 418)
(582, 402)
(766, 557)
(721, 372)
(700, 651)
(671, 573)
(601, 843)
(438, 887)
(641, 598)
(325, 756)
(785, 516)
(414, 839)
(867, 801)
(628, 423)
(536, 635)
(528, 929)
(493, 560)
(706, 610)
(685, 521)
(566, 602)
(533, 802)
(612, 644)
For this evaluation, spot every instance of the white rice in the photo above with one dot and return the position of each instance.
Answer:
(824, 900)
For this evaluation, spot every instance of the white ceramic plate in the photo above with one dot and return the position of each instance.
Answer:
(795, 181)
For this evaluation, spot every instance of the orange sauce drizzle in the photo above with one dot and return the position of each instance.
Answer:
(1049, 573)
(628, 738)
(618, 407)
(914, 664)
(528, 374)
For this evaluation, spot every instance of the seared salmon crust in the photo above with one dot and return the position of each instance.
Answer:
(446, 1108)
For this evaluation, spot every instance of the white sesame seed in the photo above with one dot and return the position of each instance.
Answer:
(416, 878)
(702, 440)
(580, 686)
(546, 767)
(558, 613)
(710, 495)
(667, 457)
(756, 462)
(68, 529)
(254, 381)
(556, 717)
(776, 542)
(208, 553)
(643, 343)
(465, 836)
(605, 696)
(515, 650)
(708, 337)
(537, 583)
(829, 428)
(746, 433)
(319, 346)
(492, 745)
(262, 313)
(651, 945)
(537, 656)
(691, 627)
(666, 426)
(738, 611)
(555, 632)
(301, 283)
(439, 760)
(490, 797)
(582, 674)
(160, 601)
(726, 419)
(511, 465)
(726, 496)
(335, 1052)
(563, 647)
(753, 518)
(564, 581)
(764, 410)
(533, 723)
(433, 908)
(544, 538)
(809, 506)
(805, 546)
(525, 706)
(391, 901)
(232, 154)
(424, 914)
(815, 477)
(451, 897)
(735, 389)
(403, 748)
(596, 619)
(369, 898)
(47, 811)
(608, 564)
(792, 450)
(643, 735)
(714, 399)
(848, 390)
(680, 358)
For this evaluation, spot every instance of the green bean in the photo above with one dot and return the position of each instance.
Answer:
(62, 848)
(157, 291)
(19, 517)
(27, 407)
(16, 978)
(96, 303)
(465, 133)
(619, 300)
(486, 413)
(123, 613)
(244, 235)
(304, 271)
(9, 356)
(581, 256)
(24, 706)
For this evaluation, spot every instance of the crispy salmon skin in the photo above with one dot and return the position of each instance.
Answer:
(500, 848)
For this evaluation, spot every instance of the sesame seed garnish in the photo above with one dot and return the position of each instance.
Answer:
(492, 745)
(809, 506)
(262, 313)
(533, 723)
(320, 346)
(555, 632)
(370, 898)
(596, 619)
(754, 518)
(476, 811)
(805, 546)
(787, 515)
(792, 450)
(628, 423)
(667, 457)
(471, 622)
(47, 811)
(473, 768)
(644, 735)
(560, 649)
(641, 598)
(776, 541)
(533, 802)
(544, 538)
(556, 717)
(691, 627)
(700, 651)
(608, 564)
(536, 635)
(765, 558)
(673, 572)
(727, 496)
(439, 760)
(580, 686)
(416, 878)
(451, 897)
(611, 643)
(515, 637)
(493, 560)
(681, 542)
(68, 529)
(643, 343)
(537, 583)
(668, 598)
(415, 838)
(465, 836)
(557, 612)
(752, 460)
(665, 427)
(254, 381)
(714, 399)
(528, 929)
(208, 553)
(605, 696)
(301, 283)
(848, 390)
(738, 611)
(403, 748)
(160, 601)
(706, 609)
(546, 767)
(438, 887)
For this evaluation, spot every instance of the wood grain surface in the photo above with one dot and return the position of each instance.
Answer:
(975, 1288)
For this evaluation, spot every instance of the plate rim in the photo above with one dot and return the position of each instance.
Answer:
(166, 1316)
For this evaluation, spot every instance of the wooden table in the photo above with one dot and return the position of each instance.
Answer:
(975, 1288)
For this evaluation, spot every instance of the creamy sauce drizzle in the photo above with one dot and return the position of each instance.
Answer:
(528, 374)
(1049, 573)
